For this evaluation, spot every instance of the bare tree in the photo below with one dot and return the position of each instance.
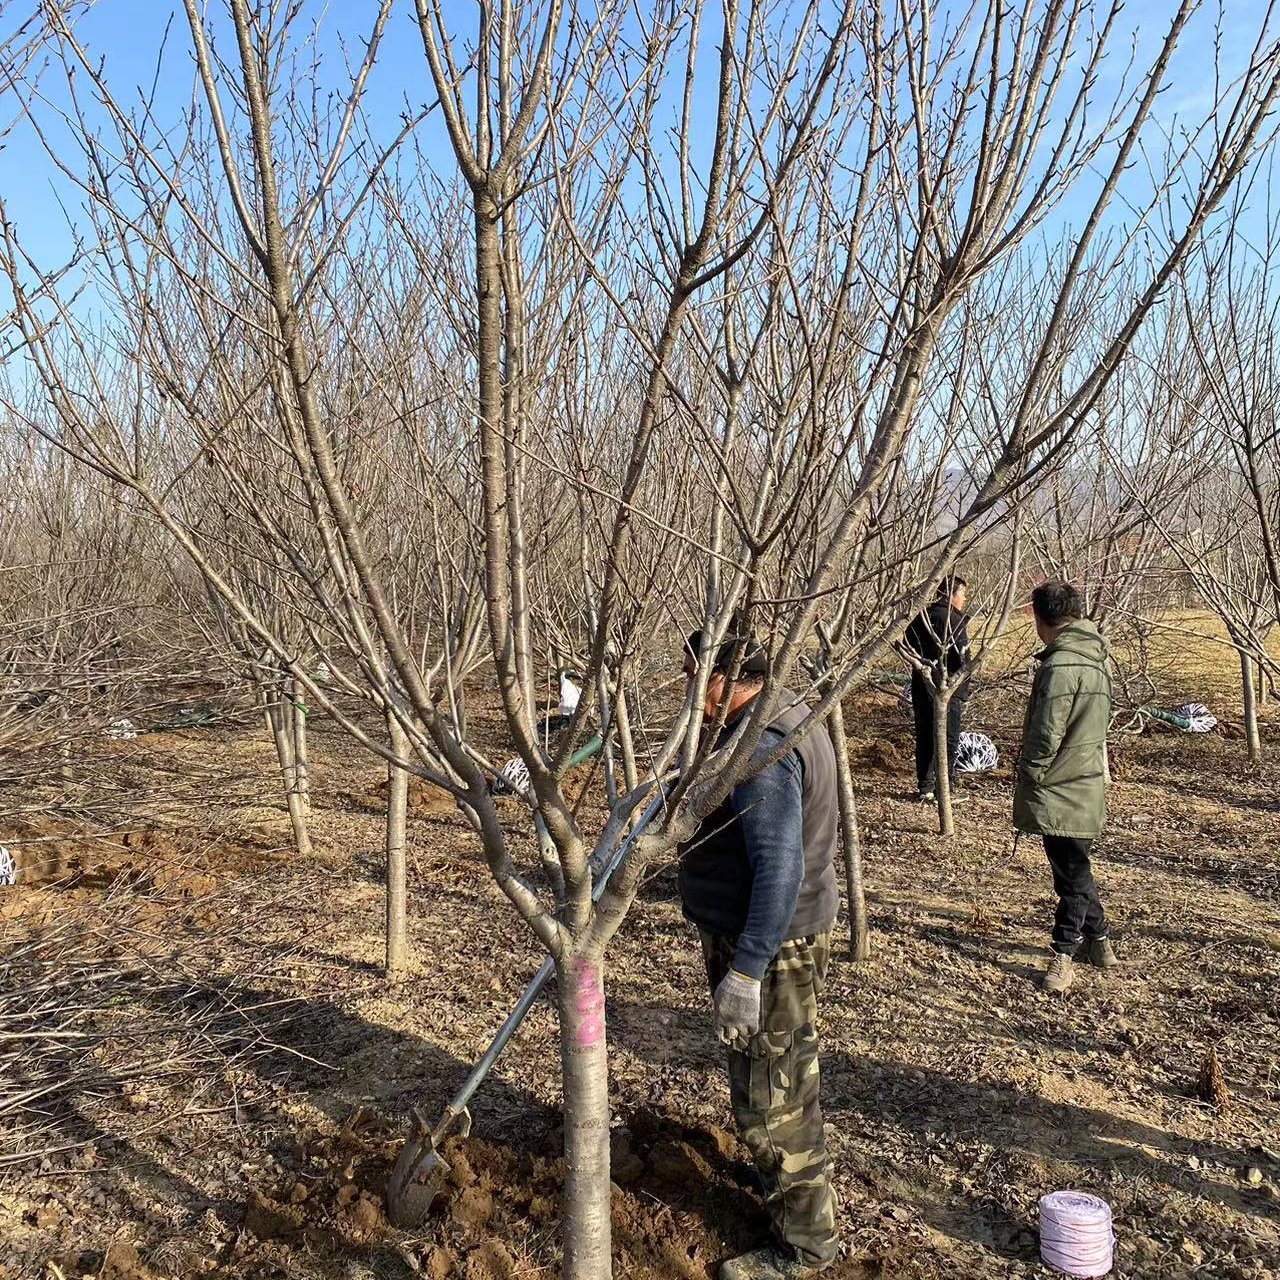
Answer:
(718, 344)
(1229, 542)
(1101, 519)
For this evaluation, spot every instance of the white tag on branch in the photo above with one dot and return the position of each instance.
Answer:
(8, 868)
(120, 729)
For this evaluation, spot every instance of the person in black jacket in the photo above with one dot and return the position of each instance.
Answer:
(938, 637)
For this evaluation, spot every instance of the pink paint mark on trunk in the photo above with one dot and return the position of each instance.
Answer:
(588, 1001)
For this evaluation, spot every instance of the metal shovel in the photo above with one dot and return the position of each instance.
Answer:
(421, 1170)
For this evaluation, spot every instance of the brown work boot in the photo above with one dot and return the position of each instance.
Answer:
(1098, 952)
(766, 1264)
(1058, 976)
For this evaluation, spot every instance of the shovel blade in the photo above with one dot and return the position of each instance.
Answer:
(416, 1181)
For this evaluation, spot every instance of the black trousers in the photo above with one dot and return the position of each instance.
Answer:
(922, 706)
(1080, 914)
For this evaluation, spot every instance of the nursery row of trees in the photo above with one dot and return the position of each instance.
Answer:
(653, 318)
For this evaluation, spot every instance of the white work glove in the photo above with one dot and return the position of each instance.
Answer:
(737, 1002)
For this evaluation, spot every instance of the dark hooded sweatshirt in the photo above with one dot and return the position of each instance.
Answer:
(941, 630)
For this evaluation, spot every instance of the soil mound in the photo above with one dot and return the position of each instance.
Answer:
(681, 1201)
(424, 799)
(56, 858)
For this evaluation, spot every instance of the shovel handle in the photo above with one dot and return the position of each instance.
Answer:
(458, 1103)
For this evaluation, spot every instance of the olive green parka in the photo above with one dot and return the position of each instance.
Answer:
(1060, 788)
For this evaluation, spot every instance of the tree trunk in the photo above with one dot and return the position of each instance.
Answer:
(942, 762)
(630, 769)
(283, 738)
(397, 931)
(859, 931)
(1251, 734)
(301, 758)
(586, 1227)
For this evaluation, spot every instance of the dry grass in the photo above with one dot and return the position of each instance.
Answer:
(1185, 654)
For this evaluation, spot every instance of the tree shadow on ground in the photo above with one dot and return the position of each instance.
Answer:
(1015, 1120)
(1216, 783)
(663, 1035)
(309, 1048)
(1193, 936)
(359, 1082)
(1014, 958)
(1220, 870)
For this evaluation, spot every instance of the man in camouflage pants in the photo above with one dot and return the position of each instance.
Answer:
(758, 880)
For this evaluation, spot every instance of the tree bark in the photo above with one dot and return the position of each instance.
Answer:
(301, 756)
(397, 927)
(1251, 734)
(859, 930)
(942, 762)
(586, 1228)
(285, 755)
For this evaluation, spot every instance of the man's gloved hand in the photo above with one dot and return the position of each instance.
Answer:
(737, 1002)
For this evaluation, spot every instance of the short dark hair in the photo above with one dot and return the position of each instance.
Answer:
(950, 585)
(1057, 602)
(754, 664)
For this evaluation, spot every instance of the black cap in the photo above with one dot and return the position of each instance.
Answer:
(755, 662)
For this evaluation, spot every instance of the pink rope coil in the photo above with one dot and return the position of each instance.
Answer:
(1075, 1233)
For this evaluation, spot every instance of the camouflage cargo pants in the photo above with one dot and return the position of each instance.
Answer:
(773, 1087)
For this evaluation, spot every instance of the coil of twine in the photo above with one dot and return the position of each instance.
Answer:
(1075, 1233)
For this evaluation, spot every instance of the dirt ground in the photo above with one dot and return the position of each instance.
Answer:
(203, 1070)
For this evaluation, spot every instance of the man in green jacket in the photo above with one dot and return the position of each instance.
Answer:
(1060, 788)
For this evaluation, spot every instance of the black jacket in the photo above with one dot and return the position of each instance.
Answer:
(940, 630)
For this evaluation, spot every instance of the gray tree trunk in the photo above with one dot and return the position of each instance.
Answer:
(630, 770)
(397, 929)
(859, 930)
(586, 1228)
(1248, 692)
(282, 736)
(942, 762)
(301, 756)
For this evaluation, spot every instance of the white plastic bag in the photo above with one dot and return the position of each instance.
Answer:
(1198, 717)
(976, 753)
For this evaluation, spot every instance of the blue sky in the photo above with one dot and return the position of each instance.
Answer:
(128, 36)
